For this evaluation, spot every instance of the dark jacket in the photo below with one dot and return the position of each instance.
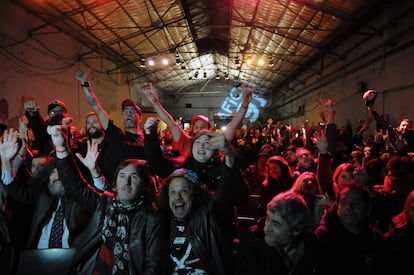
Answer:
(121, 145)
(401, 241)
(148, 244)
(343, 252)
(255, 257)
(44, 205)
(204, 228)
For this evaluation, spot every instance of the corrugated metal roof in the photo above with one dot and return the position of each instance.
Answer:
(206, 36)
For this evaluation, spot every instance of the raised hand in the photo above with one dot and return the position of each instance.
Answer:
(328, 105)
(151, 124)
(8, 145)
(218, 141)
(23, 123)
(31, 106)
(151, 94)
(92, 154)
(319, 138)
(59, 136)
(82, 76)
(247, 93)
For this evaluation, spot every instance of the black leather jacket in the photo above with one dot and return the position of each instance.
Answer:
(148, 245)
(206, 230)
(37, 194)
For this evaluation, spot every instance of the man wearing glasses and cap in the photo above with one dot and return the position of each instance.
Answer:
(57, 114)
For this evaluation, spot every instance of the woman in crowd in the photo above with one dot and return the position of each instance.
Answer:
(307, 185)
(278, 179)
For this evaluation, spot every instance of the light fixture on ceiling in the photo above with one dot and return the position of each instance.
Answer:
(205, 74)
(159, 62)
(142, 63)
(237, 62)
(226, 75)
(165, 61)
(261, 62)
(196, 74)
(217, 75)
(249, 60)
(271, 62)
(177, 58)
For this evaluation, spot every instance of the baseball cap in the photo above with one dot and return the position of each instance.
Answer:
(56, 103)
(188, 174)
(200, 117)
(130, 102)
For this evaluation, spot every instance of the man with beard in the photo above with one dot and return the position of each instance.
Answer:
(124, 144)
(47, 193)
(95, 132)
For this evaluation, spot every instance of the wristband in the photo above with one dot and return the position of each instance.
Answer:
(85, 84)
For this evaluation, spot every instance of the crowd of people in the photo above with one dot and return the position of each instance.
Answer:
(320, 199)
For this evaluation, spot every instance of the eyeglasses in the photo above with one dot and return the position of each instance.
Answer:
(56, 111)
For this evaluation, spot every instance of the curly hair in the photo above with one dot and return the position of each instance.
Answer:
(200, 196)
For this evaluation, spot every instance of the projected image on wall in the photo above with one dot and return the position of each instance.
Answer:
(234, 100)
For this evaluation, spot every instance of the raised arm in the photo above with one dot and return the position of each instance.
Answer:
(89, 161)
(75, 185)
(38, 126)
(158, 164)
(231, 127)
(164, 115)
(8, 149)
(93, 99)
(219, 141)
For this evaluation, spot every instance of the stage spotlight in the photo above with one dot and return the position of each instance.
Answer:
(165, 61)
(261, 62)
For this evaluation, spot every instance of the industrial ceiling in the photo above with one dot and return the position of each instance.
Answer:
(206, 41)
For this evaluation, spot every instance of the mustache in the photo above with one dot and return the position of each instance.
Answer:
(56, 188)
